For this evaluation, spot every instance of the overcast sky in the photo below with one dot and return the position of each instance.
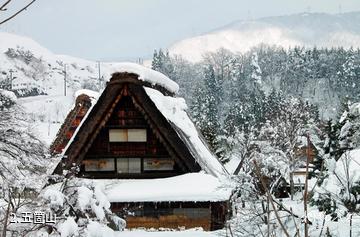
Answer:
(127, 29)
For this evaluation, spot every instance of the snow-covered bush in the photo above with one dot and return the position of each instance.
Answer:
(82, 209)
(338, 190)
(349, 136)
(7, 99)
(339, 193)
(21, 54)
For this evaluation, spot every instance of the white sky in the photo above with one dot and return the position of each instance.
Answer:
(127, 29)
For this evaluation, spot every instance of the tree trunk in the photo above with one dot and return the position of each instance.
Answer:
(6, 218)
(292, 188)
(268, 194)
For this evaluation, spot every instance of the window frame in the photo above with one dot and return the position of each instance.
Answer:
(154, 159)
(138, 160)
(109, 160)
(127, 135)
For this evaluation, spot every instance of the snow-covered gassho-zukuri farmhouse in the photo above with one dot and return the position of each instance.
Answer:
(138, 141)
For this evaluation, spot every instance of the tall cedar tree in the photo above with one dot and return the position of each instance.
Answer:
(206, 107)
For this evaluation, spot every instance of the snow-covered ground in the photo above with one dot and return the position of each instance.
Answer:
(48, 112)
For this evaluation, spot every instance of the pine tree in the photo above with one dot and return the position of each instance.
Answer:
(162, 62)
(211, 126)
(272, 105)
(198, 106)
(168, 65)
(255, 69)
(205, 108)
(155, 61)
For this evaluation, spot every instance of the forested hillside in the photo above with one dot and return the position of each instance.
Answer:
(324, 77)
(264, 112)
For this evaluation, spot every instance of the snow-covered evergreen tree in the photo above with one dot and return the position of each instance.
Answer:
(255, 69)
(206, 107)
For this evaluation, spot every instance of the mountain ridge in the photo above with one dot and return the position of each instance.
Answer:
(302, 29)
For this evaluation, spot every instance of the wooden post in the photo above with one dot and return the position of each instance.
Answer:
(306, 187)
(351, 225)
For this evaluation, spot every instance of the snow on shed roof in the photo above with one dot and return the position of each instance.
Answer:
(174, 110)
(94, 96)
(188, 187)
(90, 93)
(145, 74)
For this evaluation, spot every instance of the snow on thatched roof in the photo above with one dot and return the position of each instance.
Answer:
(174, 110)
(92, 94)
(145, 74)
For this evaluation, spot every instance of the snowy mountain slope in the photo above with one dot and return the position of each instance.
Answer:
(308, 29)
(27, 64)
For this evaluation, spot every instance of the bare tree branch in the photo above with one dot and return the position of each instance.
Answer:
(2, 8)
(258, 173)
(16, 13)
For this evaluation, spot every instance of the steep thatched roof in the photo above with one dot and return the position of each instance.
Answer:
(165, 114)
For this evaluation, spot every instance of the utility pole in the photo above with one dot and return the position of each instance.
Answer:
(11, 79)
(140, 61)
(99, 75)
(64, 79)
(48, 103)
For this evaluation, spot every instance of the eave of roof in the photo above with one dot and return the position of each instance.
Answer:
(195, 187)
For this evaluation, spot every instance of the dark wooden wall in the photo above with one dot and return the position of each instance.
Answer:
(127, 116)
(208, 215)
